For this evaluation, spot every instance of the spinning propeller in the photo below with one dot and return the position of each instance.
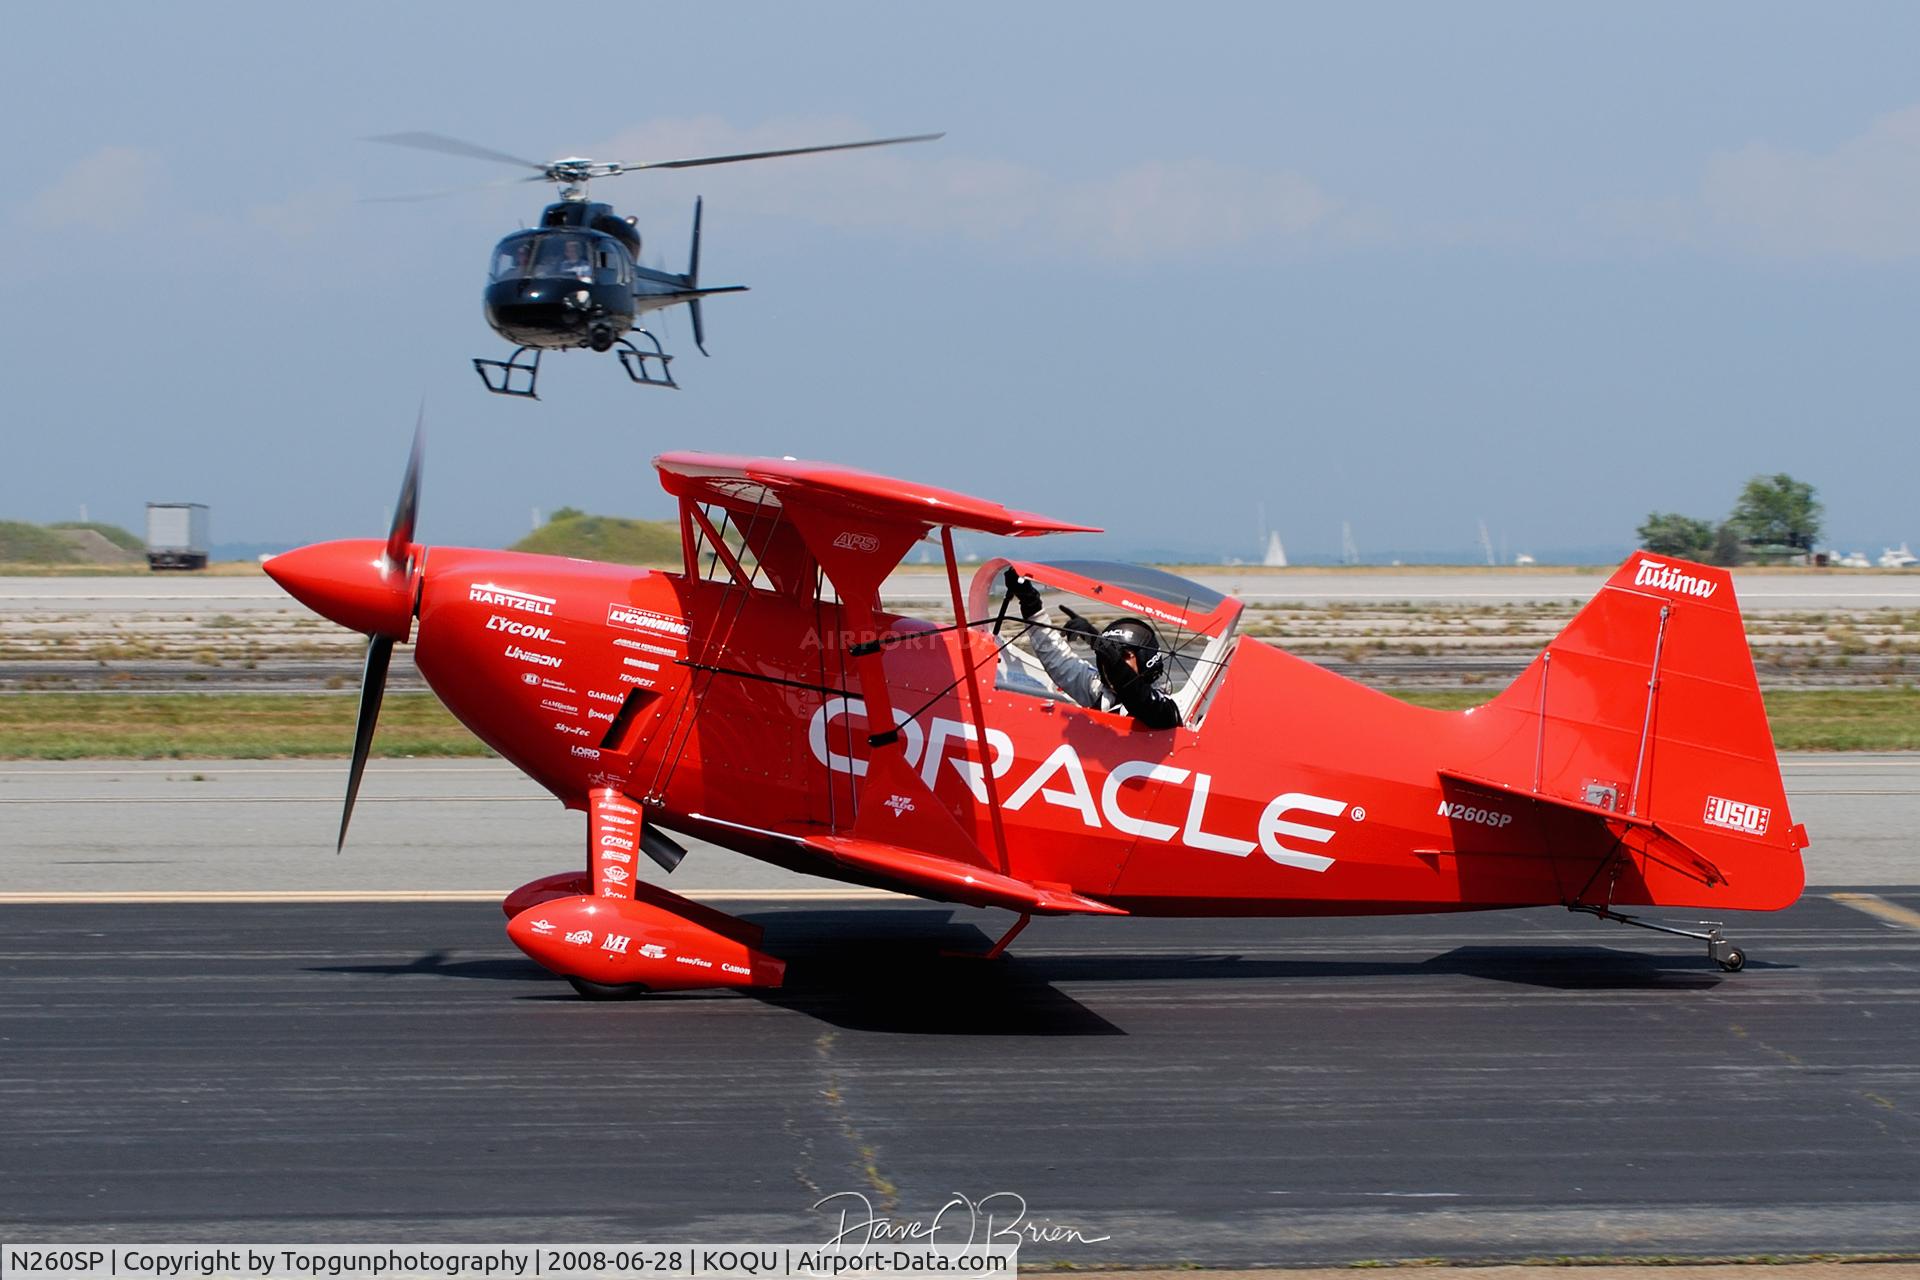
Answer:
(577, 170)
(370, 587)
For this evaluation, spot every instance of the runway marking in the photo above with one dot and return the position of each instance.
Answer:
(159, 897)
(1875, 905)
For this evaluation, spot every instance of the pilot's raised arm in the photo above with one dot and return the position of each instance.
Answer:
(1130, 674)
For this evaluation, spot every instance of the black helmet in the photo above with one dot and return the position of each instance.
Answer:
(1117, 639)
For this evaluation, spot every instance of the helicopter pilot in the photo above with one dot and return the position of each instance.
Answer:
(1128, 672)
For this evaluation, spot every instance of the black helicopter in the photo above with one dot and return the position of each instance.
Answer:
(576, 279)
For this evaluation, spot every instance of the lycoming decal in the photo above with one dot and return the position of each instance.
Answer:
(508, 598)
(1061, 779)
(1665, 577)
(1750, 819)
(622, 615)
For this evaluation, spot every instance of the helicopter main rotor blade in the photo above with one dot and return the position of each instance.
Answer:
(444, 192)
(423, 141)
(770, 155)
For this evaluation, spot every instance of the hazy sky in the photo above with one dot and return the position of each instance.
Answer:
(1410, 266)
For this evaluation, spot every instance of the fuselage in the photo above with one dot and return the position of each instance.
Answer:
(742, 722)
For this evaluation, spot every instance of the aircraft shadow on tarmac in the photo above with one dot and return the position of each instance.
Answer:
(917, 971)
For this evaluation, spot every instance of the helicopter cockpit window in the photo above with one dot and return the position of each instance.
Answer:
(567, 256)
(609, 263)
(512, 257)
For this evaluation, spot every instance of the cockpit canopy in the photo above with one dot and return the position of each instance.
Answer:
(565, 255)
(1194, 624)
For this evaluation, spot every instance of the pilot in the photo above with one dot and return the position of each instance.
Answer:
(1128, 672)
(573, 262)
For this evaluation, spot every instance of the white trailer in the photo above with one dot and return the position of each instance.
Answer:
(176, 535)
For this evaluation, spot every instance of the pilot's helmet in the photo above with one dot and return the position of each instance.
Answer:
(1124, 635)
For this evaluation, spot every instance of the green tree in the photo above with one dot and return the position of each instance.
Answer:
(1777, 511)
(1727, 551)
(1671, 534)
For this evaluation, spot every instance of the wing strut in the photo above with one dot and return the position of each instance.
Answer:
(964, 650)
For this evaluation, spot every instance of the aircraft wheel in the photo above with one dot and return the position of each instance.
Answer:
(1733, 960)
(606, 991)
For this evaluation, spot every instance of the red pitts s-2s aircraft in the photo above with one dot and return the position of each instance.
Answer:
(761, 699)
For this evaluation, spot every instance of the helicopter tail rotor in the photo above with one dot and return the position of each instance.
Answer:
(693, 282)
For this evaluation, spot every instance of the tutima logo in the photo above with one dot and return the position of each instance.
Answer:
(1664, 577)
(624, 615)
(851, 541)
(507, 598)
(1748, 819)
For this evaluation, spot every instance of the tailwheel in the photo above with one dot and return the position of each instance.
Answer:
(1727, 956)
(607, 991)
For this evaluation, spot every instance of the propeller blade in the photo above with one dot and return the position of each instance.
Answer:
(769, 155)
(407, 509)
(373, 686)
(423, 141)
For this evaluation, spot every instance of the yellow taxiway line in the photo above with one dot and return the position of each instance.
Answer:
(1875, 905)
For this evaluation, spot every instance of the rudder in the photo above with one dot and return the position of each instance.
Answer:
(1647, 706)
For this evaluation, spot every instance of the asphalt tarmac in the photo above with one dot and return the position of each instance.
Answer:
(1222, 1092)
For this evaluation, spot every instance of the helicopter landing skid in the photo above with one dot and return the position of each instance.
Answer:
(635, 361)
(499, 374)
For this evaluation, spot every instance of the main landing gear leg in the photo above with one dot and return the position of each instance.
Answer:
(999, 948)
(635, 362)
(1719, 950)
(499, 374)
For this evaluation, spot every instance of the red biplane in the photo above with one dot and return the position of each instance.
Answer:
(763, 699)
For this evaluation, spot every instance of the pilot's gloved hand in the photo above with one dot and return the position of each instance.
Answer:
(1022, 591)
(1079, 626)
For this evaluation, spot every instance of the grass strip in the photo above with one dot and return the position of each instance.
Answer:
(1802, 719)
(248, 726)
(221, 726)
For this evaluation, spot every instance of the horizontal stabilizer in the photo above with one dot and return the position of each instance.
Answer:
(956, 881)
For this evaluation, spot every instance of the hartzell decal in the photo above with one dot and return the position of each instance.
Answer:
(507, 598)
(624, 615)
(1061, 779)
(524, 629)
(527, 655)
